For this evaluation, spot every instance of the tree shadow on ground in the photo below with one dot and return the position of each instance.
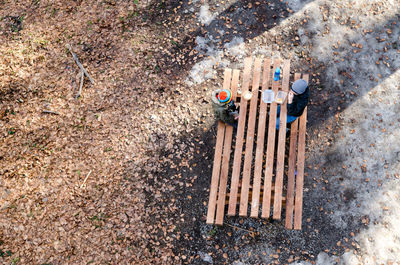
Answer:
(221, 26)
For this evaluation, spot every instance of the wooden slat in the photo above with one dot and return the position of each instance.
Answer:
(291, 173)
(269, 163)
(217, 159)
(225, 158)
(280, 160)
(248, 157)
(239, 140)
(260, 194)
(298, 207)
(260, 142)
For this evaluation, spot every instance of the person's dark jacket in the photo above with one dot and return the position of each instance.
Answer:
(299, 103)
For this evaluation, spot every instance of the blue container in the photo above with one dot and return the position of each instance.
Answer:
(277, 74)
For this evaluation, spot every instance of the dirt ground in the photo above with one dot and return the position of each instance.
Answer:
(121, 174)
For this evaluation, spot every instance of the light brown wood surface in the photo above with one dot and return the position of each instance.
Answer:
(298, 206)
(291, 171)
(219, 219)
(246, 186)
(248, 158)
(269, 163)
(280, 160)
(217, 159)
(239, 140)
(260, 142)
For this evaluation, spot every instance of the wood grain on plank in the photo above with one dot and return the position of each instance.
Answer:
(291, 171)
(280, 160)
(298, 206)
(237, 158)
(225, 158)
(260, 142)
(269, 163)
(217, 159)
(260, 194)
(248, 158)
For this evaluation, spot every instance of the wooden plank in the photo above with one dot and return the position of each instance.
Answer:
(248, 157)
(280, 161)
(298, 207)
(217, 159)
(237, 158)
(291, 173)
(269, 163)
(261, 194)
(225, 158)
(260, 143)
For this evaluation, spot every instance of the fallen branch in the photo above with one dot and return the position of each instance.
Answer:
(239, 228)
(80, 85)
(50, 112)
(79, 64)
(84, 181)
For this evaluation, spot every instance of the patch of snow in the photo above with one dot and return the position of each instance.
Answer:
(205, 69)
(205, 16)
(296, 5)
(203, 45)
(323, 258)
(236, 47)
(212, 52)
(202, 71)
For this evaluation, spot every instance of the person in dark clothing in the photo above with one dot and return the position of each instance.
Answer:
(224, 107)
(298, 98)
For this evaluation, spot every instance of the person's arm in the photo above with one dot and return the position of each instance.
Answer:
(222, 113)
(232, 110)
(290, 97)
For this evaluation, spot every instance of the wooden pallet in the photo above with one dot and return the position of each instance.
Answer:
(258, 184)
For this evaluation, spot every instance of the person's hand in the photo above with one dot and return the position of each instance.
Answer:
(290, 97)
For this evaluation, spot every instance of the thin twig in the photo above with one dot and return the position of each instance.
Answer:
(50, 112)
(84, 181)
(79, 64)
(239, 228)
(80, 85)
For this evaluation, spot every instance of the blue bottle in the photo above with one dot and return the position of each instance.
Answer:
(277, 74)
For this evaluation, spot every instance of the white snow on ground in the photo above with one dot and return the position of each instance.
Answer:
(205, 69)
(205, 16)
(213, 55)
(296, 5)
(236, 47)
